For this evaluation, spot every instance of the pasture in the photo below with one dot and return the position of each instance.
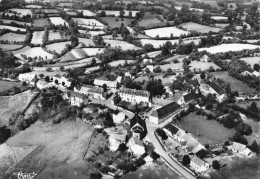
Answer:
(171, 65)
(87, 42)
(35, 52)
(57, 47)
(88, 22)
(7, 21)
(165, 32)
(190, 26)
(194, 65)
(116, 22)
(221, 25)
(87, 12)
(124, 45)
(158, 43)
(58, 21)
(209, 131)
(93, 33)
(120, 62)
(46, 11)
(21, 12)
(6, 85)
(13, 37)
(40, 22)
(251, 60)
(219, 18)
(37, 37)
(7, 47)
(12, 28)
(82, 62)
(93, 51)
(54, 36)
(229, 47)
(235, 84)
(33, 7)
(117, 13)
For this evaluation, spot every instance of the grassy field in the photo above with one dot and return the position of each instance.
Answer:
(251, 60)
(6, 47)
(120, 62)
(93, 51)
(7, 21)
(87, 42)
(63, 148)
(22, 12)
(112, 22)
(6, 85)
(87, 12)
(210, 131)
(54, 35)
(58, 21)
(37, 37)
(171, 65)
(158, 43)
(165, 32)
(57, 47)
(236, 85)
(13, 37)
(11, 28)
(88, 22)
(203, 65)
(40, 22)
(199, 27)
(34, 52)
(124, 45)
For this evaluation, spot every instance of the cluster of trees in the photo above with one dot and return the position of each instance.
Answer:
(155, 87)
(161, 133)
(210, 40)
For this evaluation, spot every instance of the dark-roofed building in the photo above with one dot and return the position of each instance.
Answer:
(134, 96)
(171, 130)
(138, 127)
(77, 99)
(187, 98)
(218, 89)
(163, 113)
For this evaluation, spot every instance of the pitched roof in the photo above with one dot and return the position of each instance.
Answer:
(134, 92)
(189, 97)
(238, 146)
(134, 141)
(76, 95)
(196, 160)
(171, 128)
(166, 110)
(181, 134)
(99, 82)
(137, 120)
(216, 87)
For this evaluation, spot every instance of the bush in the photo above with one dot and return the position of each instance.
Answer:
(162, 134)
(198, 112)
(240, 139)
(215, 165)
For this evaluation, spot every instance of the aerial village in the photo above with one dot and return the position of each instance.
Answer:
(101, 88)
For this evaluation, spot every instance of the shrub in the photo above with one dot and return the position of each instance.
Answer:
(215, 165)
(162, 134)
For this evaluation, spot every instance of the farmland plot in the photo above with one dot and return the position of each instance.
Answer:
(35, 52)
(117, 13)
(158, 43)
(7, 47)
(11, 28)
(115, 22)
(13, 37)
(165, 32)
(87, 12)
(33, 7)
(87, 42)
(203, 65)
(22, 12)
(251, 60)
(219, 18)
(121, 62)
(58, 21)
(93, 33)
(199, 28)
(37, 37)
(54, 35)
(88, 22)
(7, 21)
(57, 47)
(124, 45)
(229, 47)
(40, 22)
(93, 51)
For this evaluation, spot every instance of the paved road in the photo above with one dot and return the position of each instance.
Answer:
(158, 148)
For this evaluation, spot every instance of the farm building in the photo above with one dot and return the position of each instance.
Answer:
(134, 96)
(27, 77)
(77, 99)
(240, 148)
(110, 84)
(95, 92)
(205, 58)
(187, 98)
(118, 117)
(199, 165)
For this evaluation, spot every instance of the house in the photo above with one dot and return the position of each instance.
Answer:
(199, 165)
(136, 146)
(218, 89)
(138, 127)
(95, 92)
(180, 135)
(134, 96)
(61, 80)
(27, 77)
(119, 79)
(118, 117)
(77, 99)
(189, 143)
(205, 58)
(171, 130)
(110, 84)
(41, 84)
(187, 98)
(240, 148)
(117, 135)
(163, 113)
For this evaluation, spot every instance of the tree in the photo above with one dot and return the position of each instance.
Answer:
(130, 14)
(104, 86)
(185, 160)
(215, 165)
(148, 47)
(166, 48)
(255, 147)
(122, 12)
(244, 129)
(253, 107)
(47, 79)
(103, 13)
(117, 99)
(202, 75)
(24, 83)
(4, 134)
(56, 82)
(41, 75)
(162, 134)
(108, 122)
(154, 155)
(239, 138)
(114, 35)
(122, 147)
(256, 67)
(95, 176)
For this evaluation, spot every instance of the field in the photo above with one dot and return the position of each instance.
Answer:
(221, 25)
(111, 21)
(229, 47)
(203, 65)
(171, 65)
(219, 18)
(251, 60)
(40, 22)
(47, 11)
(6, 85)
(120, 62)
(93, 51)
(37, 37)
(22, 12)
(87, 12)
(199, 28)
(152, 54)
(93, 33)
(165, 32)
(88, 22)
(124, 45)
(57, 47)
(117, 13)
(82, 62)
(12, 104)
(34, 52)
(62, 151)
(158, 43)
(13, 37)
(7, 21)
(58, 21)
(7, 47)
(212, 4)
(87, 42)
(236, 85)
(54, 35)
(11, 28)
(33, 6)
(210, 131)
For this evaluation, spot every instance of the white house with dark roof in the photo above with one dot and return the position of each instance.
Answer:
(163, 113)
(136, 146)
(199, 165)
(205, 58)
(41, 84)
(134, 96)
(171, 130)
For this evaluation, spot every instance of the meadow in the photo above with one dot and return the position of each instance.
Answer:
(87, 42)
(251, 60)
(7, 47)
(203, 65)
(88, 22)
(57, 47)
(117, 13)
(116, 22)
(87, 12)
(13, 37)
(58, 21)
(34, 52)
(199, 28)
(6, 85)
(22, 12)
(124, 45)
(37, 37)
(120, 62)
(219, 18)
(40, 22)
(93, 51)
(158, 43)
(7, 21)
(54, 35)
(165, 32)
(12, 28)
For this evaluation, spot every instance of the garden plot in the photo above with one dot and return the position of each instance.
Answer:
(158, 43)
(11, 28)
(7, 47)
(11, 37)
(57, 47)
(21, 12)
(251, 60)
(7, 21)
(121, 62)
(93, 51)
(166, 32)
(87, 42)
(40, 22)
(37, 37)
(87, 12)
(190, 26)
(35, 52)
(229, 47)
(58, 21)
(124, 45)
(117, 13)
(54, 36)
(88, 22)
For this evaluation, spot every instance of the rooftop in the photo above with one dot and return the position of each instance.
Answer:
(134, 92)
(198, 161)
(238, 146)
(171, 128)
(216, 87)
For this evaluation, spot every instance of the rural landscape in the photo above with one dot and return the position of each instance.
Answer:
(131, 89)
